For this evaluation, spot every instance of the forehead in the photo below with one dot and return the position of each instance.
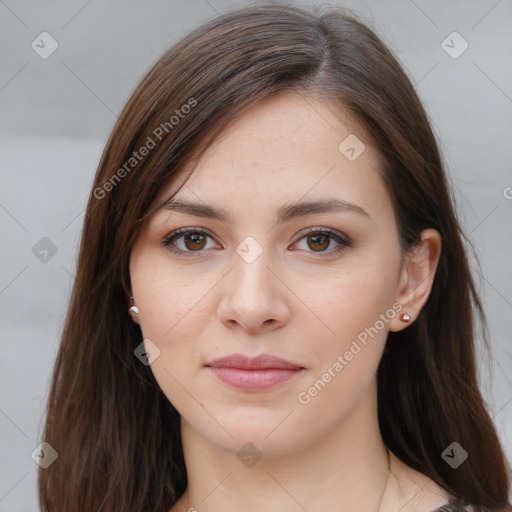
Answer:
(287, 147)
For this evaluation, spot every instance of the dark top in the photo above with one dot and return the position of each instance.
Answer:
(452, 506)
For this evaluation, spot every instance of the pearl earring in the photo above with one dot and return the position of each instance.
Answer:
(133, 310)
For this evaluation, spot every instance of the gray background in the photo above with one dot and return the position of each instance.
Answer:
(57, 113)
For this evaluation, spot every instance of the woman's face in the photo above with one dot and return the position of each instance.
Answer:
(315, 286)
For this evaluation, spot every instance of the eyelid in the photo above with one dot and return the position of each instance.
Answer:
(183, 231)
(326, 231)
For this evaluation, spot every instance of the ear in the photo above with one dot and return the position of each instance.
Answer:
(417, 276)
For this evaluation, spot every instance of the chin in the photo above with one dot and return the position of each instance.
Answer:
(270, 431)
(253, 442)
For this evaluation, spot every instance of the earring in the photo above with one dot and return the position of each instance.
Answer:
(133, 310)
(405, 317)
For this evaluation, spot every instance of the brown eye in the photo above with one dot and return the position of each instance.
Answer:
(194, 241)
(188, 242)
(318, 242)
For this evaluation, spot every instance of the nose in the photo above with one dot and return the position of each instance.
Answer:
(253, 298)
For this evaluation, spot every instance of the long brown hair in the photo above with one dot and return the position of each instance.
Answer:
(116, 434)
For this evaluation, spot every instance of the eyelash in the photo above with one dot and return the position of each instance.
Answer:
(343, 240)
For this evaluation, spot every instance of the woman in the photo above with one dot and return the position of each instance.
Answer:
(272, 209)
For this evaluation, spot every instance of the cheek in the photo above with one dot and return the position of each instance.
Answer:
(354, 307)
(169, 305)
(353, 300)
(166, 296)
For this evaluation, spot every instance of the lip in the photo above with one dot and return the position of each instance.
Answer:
(254, 373)
(261, 362)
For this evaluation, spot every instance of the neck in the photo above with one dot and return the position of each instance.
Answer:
(346, 470)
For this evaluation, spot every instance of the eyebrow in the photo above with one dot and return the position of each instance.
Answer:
(283, 213)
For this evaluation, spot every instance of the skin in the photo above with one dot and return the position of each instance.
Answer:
(327, 454)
